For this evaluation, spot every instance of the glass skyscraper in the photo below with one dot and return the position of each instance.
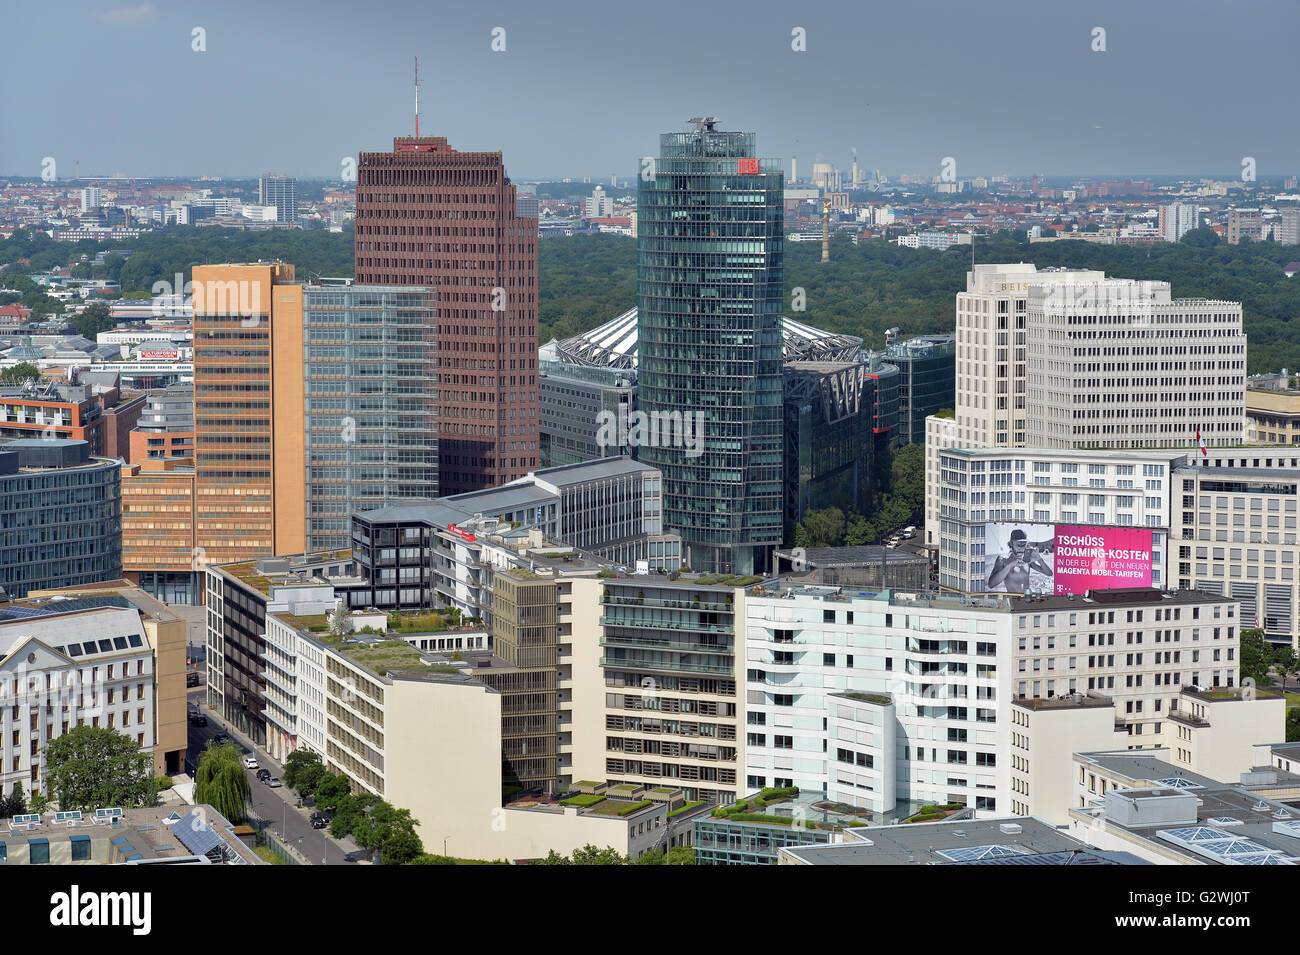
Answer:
(372, 403)
(709, 297)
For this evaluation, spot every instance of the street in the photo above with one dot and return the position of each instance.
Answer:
(277, 806)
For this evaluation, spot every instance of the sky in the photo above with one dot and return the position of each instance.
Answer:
(295, 87)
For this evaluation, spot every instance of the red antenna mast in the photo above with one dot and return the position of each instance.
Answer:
(417, 97)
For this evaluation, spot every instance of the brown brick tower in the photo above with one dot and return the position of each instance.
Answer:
(432, 216)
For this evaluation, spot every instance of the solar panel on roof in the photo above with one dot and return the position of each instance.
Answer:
(196, 835)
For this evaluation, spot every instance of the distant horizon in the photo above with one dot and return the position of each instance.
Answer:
(891, 178)
(1015, 87)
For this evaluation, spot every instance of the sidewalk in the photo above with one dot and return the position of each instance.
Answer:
(346, 843)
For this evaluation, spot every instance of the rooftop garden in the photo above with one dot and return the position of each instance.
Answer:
(878, 698)
(686, 807)
(936, 813)
(420, 621)
(583, 800)
(727, 580)
(385, 655)
(619, 807)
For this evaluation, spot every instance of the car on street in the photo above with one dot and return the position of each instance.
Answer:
(320, 820)
(198, 719)
(274, 782)
(191, 679)
(263, 774)
(250, 762)
(221, 738)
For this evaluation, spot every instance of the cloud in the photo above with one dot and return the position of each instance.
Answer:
(144, 11)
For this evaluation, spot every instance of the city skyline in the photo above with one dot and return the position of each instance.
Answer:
(920, 98)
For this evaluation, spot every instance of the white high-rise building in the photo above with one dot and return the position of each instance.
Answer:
(91, 199)
(599, 205)
(888, 701)
(1176, 220)
(1052, 358)
(1116, 363)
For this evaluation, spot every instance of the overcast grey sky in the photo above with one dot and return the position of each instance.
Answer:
(583, 88)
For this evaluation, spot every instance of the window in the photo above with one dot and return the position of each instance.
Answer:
(40, 851)
(81, 848)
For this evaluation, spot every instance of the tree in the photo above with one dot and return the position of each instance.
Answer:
(390, 831)
(222, 783)
(296, 762)
(677, 855)
(1293, 725)
(15, 804)
(587, 855)
(19, 373)
(39, 803)
(1256, 655)
(95, 318)
(93, 767)
(331, 790)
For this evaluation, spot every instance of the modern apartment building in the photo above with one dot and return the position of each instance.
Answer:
(281, 192)
(709, 298)
(1176, 219)
(371, 392)
(62, 515)
(887, 702)
(654, 688)
(432, 216)
(442, 553)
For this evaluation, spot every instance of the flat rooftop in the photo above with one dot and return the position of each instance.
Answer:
(854, 556)
(941, 843)
(140, 836)
(1138, 767)
(1118, 596)
(1070, 701)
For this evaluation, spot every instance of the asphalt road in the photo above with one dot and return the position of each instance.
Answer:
(278, 806)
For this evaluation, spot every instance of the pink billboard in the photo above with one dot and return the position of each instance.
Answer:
(1085, 558)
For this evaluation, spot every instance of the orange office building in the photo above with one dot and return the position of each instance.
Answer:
(249, 498)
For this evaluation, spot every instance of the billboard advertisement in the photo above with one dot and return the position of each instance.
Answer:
(1064, 558)
(1101, 557)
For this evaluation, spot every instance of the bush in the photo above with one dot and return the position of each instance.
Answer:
(163, 783)
(583, 800)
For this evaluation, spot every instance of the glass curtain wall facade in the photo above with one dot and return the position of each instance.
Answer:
(709, 295)
(372, 404)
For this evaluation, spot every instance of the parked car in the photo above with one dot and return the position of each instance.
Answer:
(198, 719)
(221, 738)
(191, 679)
(263, 774)
(250, 762)
(320, 820)
(274, 782)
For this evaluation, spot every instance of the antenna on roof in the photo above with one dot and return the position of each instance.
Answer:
(417, 97)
